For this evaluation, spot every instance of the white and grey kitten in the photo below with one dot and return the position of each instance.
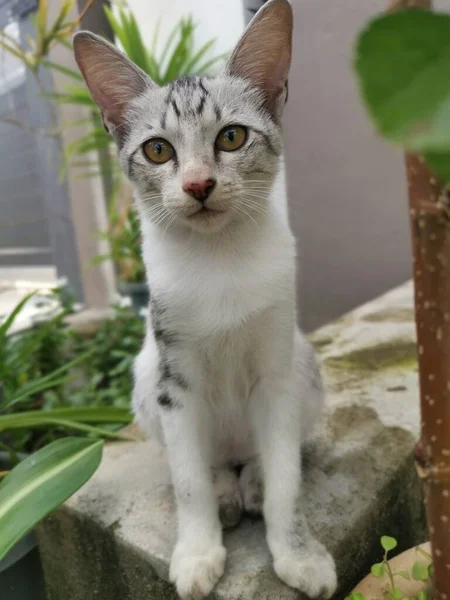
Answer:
(224, 377)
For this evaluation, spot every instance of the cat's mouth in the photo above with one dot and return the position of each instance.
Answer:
(205, 212)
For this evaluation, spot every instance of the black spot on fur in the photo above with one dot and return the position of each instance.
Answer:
(165, 400)
(267, 140)
(217, 112)
(201, 85)
(168, 375)
(176, 110)
(201, 105)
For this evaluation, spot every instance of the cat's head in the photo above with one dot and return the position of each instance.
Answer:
(201, 153)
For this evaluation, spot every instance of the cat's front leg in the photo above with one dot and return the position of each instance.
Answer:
(299, 560)
(198, 560)
(276, 406)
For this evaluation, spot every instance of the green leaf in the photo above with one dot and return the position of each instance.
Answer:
(388, 543)
(61, 69)
(440, 163)
(6, 325)
(420, 571)
(404, 574)
(377, 570)
(402, 61)
(422, 595)
(56, 377)
(396, 594)
(356, 596)
(41, 483)
(68, 418)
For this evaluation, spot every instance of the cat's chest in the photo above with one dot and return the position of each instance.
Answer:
(207, 297)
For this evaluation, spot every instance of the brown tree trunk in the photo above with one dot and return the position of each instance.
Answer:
(429, 203)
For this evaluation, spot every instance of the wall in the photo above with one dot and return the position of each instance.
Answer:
(347, 188)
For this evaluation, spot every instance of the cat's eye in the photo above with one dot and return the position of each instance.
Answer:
(158, 150)
(231, 138)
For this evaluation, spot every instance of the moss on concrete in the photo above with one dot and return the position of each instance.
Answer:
(398, 354)
(391, 315)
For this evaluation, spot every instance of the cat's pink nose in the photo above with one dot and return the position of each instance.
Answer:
(199, 189)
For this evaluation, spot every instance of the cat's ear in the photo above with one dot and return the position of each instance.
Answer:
(113, 80)
(263, 54)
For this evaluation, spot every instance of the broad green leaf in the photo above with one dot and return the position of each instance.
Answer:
(396, 594)
(420, 571)
(41, 483)
(440, 163)
(402, 61)
(388, 543)
(422, 595)
(377, 570)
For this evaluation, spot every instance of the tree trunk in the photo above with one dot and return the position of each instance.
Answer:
(429, 203)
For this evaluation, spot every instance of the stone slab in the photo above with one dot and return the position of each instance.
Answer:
(113, 539)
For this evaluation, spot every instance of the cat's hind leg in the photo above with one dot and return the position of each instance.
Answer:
(228, 493)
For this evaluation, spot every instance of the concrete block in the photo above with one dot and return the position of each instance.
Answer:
(114, 538)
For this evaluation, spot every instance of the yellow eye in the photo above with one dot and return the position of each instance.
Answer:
(158, 150)
(231, 138)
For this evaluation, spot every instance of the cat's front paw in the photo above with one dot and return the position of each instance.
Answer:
(195, 572)
(313, 574)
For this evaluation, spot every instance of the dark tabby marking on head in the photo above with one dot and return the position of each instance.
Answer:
(165, 401)
(217, 112)
(176, 110)
(201, 106)
(268, 142)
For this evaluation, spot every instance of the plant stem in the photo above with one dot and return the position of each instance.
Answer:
(389, 572)
(429, 204)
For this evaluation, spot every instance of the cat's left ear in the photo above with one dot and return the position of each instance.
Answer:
(263, 54)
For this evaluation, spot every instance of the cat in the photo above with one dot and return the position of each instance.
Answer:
(225, 379)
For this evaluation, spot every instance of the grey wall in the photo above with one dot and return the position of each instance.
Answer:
(35, 215)
(347, 192)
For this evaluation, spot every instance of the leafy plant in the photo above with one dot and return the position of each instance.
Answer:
(408, 97)
(33, 365)
(47, 35)
(41, 482)
(54, 380)
(420, 571)
(124, 242)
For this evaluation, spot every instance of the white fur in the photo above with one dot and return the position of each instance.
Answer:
(255, 392)
(225, 378)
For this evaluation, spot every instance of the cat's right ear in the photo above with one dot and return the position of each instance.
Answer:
(263, 54)
(113, 80)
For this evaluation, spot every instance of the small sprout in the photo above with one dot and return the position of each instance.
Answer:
(404, 574)
(420, 571)
(377, 570)
(356, 596)
(396, 594)
(388, 543)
